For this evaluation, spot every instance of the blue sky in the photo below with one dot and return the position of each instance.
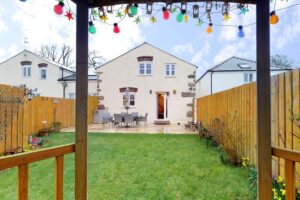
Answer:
(35, 20)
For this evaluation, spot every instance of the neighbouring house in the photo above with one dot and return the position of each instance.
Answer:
(228, 74)
(49, 78)
(157, 82)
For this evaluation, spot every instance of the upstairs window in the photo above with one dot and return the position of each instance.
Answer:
(43, 73)
(145, 68)
(145, 65)
(43, 70)
(170, 70)
(248, 77)
(26, 68)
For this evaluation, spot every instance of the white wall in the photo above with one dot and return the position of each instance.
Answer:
(203, 85)
(223, 81)
(123, 72)
(71, 88)
(11, 73)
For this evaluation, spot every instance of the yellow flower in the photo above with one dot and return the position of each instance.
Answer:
(274, 191)
(244, 163)
(280, 179)
(282, 191)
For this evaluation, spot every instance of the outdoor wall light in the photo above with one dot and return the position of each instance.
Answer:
(30, 93)
(174, 92)
(150, 91)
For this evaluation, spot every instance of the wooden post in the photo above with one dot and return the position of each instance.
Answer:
(23, 182)
(59, 177)
(81, 101)
(263, 100)
(290, 174)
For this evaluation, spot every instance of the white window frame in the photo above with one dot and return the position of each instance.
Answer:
(145, 66)
(131, 94)
(43, 69)
(248, 77)
(170, 70)
(26, 71)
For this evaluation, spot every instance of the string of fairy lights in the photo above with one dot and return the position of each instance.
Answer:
(200, 12)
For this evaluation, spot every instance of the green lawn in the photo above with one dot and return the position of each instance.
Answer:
(138, 166)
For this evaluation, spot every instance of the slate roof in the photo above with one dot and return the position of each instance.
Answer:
(73, 78)
(236, 64)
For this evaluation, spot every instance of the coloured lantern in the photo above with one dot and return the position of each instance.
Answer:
(180, 16)
(59, 8)
(116, 28)
(241, 33)
(209, 28)
(23, 0)
(166, 14)
(134, 9)
(273, 18)
(92, 28)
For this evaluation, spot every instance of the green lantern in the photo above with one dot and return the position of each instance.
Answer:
(92, 28)
(134, 9)
(180, 15)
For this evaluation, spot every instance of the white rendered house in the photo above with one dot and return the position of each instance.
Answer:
(230, 73)
(49, 78)
(159, 84)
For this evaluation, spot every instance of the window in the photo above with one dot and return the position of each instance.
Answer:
(26, 70)
(43, 72)
(72, 95)
(131, 99)
(248, 77)
(170, 69)
(145, 68)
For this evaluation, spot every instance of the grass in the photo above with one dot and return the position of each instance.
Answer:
(138, 166)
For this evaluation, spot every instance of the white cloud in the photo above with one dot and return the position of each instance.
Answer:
(240, 50)
(200, 59)
(41, 25)
(183, 48)
(3, 26)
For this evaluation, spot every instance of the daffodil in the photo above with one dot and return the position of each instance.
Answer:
(282, 191)
(280, 179)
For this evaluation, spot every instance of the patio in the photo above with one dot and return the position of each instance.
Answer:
(150, 129)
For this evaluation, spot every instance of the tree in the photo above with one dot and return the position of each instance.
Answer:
(64, 55)
(281, 61)
(95, 60)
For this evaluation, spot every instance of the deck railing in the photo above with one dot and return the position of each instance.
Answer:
(23, 160)
(290, 157)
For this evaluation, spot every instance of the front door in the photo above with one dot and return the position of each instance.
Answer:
(162, 102)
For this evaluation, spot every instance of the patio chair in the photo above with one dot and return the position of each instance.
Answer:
(128, 119)
(135, 114)
(142, 119)
(107, 118)
(118, 119)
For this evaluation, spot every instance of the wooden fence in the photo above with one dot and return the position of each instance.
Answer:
(21, 117)
(236, 109)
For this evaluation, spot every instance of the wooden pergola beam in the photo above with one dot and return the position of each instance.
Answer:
(101, 3)
(81, 101)
(263, 98)
(263, 92)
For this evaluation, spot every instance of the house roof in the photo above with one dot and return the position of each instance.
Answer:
(236, 64)
(46, 60)
(91, 77)
(145, 43)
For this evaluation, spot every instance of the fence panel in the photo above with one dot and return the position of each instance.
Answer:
(236, 108)
(20, 117)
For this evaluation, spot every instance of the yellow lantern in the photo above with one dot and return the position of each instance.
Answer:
(209, 28)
